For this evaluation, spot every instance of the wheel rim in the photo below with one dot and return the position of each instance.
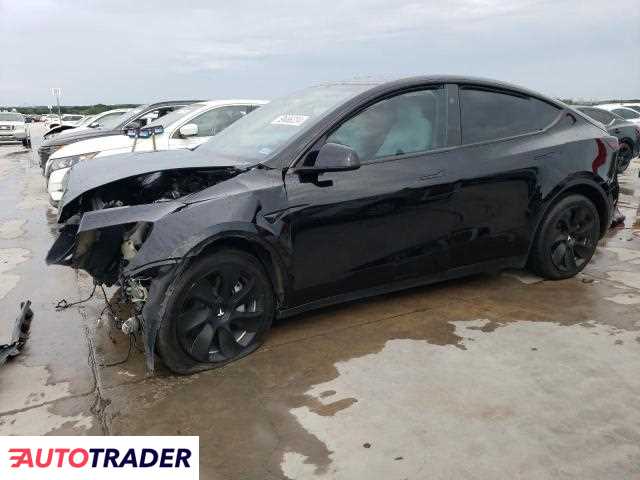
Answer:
(220, 315)
(624, 154)
(574, 241)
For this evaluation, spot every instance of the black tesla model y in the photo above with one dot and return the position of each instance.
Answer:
(334, 193)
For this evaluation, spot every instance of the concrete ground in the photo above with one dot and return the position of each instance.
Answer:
(496, 377)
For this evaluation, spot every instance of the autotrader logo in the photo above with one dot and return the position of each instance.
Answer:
(49, 458)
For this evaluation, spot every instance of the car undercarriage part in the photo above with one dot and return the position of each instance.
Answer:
(19, 335)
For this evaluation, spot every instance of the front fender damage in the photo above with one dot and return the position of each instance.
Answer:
(95, 241)
(144, 247)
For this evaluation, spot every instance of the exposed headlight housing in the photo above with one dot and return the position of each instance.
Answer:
(65, 162)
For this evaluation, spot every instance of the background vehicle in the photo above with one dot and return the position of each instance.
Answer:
(12, 127)
(628, 133)
(335, 193)
(627, 113)
(51, 120)
(72, 120)
(139, 116)
(93, 121)
(632, 106)
(187, 127)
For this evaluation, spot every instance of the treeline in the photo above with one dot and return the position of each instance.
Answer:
(578, 101)
(81, 109)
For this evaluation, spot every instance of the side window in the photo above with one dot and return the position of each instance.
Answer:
(490, 115)
(214, 121)
(408, 123)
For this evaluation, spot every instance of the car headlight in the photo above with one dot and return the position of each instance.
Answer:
(65, 162)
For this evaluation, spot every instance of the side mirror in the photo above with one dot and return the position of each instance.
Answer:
(333, 157)
(94, 125)
(189, 130)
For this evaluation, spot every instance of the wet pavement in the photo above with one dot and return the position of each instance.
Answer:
(494, 376)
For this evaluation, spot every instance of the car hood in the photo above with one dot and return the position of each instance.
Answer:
(76, 134)
(89, 175)
(103, 144)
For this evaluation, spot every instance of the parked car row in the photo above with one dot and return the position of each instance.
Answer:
(186, 127)
(626, 130)
(13, 127)
(333, 193)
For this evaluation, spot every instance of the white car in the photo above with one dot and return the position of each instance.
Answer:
(184, 128)
(632, 106)
(12, 127)
(629, 114)
(93, 121)
(71, 119)
(51, 120)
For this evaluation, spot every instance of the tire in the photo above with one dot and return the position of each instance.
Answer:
(567, 238)
(203, 327)
(625, 154)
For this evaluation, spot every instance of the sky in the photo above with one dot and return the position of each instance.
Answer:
(125, 51)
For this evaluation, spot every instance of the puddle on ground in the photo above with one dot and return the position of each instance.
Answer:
(528, 397)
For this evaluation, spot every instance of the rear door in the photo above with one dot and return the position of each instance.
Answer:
(498, 176)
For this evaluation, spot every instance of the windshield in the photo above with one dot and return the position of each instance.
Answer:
(264, 132)
(635, 108)
(110, 121)
(130, 115)
(11, 117)
(87, 120)
(171, 117)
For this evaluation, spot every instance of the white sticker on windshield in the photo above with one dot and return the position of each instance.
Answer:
(290, 119)
(264, 151)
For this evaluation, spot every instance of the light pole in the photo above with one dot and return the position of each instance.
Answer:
(57, 92)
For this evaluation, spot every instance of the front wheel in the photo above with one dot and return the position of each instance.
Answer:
(566, 239)
(219, 310)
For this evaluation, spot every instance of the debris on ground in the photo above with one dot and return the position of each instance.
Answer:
(618, 219)
(19, 335)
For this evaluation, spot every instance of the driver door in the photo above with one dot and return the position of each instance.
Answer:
(387, 220)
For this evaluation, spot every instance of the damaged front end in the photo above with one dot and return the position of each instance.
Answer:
(105, 228)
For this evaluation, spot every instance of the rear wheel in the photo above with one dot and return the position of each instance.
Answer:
(566, 239)
(625, 154)
(220, 310)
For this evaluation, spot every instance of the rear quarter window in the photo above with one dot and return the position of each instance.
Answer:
(492, 115)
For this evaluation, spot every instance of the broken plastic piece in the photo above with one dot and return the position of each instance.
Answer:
(19, 335)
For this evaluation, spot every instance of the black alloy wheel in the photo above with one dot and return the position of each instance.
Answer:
(220, 310)
(567, 238)
(220, 314)
(574, 243)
